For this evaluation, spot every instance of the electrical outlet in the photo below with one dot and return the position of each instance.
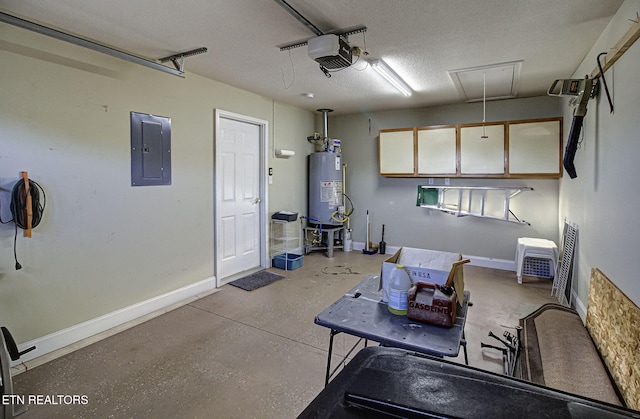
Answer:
(430, 181)
(447, 181)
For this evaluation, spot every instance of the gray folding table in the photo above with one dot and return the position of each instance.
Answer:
(361, 313)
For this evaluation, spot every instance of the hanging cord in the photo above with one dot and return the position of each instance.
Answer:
(18, 208)
(484, 106)
(364, 42)
(293, 74)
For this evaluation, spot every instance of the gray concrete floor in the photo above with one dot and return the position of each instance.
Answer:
(258, 354)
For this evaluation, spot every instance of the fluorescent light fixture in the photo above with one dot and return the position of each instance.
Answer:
(390, 76)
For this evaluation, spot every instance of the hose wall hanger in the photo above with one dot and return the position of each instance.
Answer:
(27, 208)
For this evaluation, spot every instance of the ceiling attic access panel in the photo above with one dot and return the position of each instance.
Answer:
(150, 150)
(490, 82)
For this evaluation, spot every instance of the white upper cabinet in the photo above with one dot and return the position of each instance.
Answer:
(397, 152)
(437, 153)
(508, 149)
(480, 155)
(534, 147)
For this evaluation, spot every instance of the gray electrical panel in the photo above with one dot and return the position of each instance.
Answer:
(150, 150)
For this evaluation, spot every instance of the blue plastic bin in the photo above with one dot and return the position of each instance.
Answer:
(288, 261)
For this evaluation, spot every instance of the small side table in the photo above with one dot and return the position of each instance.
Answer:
(327, 238)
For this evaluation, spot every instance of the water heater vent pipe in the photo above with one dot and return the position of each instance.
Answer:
(325, 125)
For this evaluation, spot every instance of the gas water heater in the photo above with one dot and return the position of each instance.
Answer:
(325, 180)
(325, 188)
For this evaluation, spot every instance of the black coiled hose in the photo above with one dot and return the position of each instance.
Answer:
(19, 204)
(18, 209)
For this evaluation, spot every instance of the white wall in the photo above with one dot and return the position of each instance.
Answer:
(102, 244)
(392, 201)
(290, 131)
(603, 200)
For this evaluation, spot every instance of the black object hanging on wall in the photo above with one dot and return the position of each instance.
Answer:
(28, 202)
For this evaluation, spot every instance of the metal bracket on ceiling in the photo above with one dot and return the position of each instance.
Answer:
(313, 28)
(178, 59)
(63, 36)
(343, 33)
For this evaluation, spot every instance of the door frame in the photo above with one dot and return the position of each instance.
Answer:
(263, 127)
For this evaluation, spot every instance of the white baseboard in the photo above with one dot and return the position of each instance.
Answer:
(67, 340)
(504, 264)
(580, 307)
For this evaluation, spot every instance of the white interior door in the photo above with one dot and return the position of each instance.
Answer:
(240, 207)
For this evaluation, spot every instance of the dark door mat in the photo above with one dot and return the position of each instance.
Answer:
(256, 280)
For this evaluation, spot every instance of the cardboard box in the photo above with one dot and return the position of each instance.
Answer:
(424, 265)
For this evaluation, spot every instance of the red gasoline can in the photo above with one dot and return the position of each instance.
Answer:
(433, 304)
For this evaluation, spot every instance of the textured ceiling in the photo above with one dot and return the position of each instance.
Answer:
(422, 40)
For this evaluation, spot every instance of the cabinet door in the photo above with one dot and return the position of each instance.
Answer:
(396, 152)
(482, 155)
(437, 151)
(534, 148)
